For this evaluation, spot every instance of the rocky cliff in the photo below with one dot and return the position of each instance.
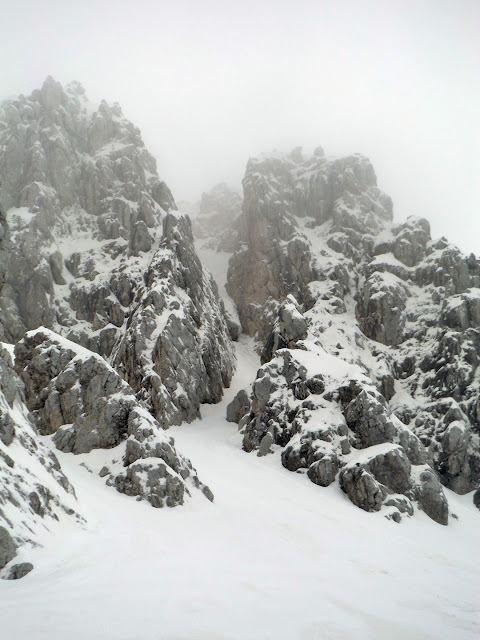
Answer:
(97, 268)
(99, 254)
(370, 375)
(216, 218)
(112, 329)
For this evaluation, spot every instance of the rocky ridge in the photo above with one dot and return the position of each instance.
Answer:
(368, 330)
(97, 268)
(99, 253)
(370, 294)
(34, 491)
(75, 395)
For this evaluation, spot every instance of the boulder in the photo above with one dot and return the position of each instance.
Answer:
(431, 497)
(290, 327)
(8, 548)
(324, 471)
(362, 488)
(238, 407)
(19, 571)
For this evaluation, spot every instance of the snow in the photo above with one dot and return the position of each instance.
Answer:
(273, 557)
(19, 216)
(10, 348)
(81, 352)
(362, 456)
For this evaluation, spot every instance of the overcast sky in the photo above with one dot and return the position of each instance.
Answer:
(213, 82)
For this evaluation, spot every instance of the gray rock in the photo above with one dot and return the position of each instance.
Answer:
(64, 389)
(402, 503)
(323, 472)
(193, 351)
(462, 311)
(362, 488)
(431, 498)
(265, 446)
(275, 258)
(19, 571)
(290, 327)
(8, 548)
(380, 310)
(392, 469)
(368, 483)
(238, 407)
(56, 266)
(140, 239)
(409, 246)
(77, 396)
(94, 178)
(4, 246)
(369, 420)
(476, 498)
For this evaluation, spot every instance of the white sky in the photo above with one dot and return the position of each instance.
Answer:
(213, 82)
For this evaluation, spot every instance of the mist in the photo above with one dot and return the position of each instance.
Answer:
(211, 84)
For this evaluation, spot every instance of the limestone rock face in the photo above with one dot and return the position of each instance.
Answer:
(34, 492)
(333, 424)
(431, 498)
(176, 351)
(337, 431)
(4, 245)
(95, 265)
(78, 397)
(290, 327)
(96, 244)
(381, 309)
(283, 195)
(381, 297)
(216, 224)
(66, 387)
(7, 547)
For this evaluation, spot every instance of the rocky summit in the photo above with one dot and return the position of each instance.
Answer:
(370, 334)
(98, 268)
(113, 329)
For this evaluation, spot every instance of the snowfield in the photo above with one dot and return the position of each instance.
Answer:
(274, 557)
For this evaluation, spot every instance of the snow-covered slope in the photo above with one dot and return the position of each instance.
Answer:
(367, 386)
(272, 557)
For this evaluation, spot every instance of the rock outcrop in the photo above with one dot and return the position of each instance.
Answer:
(216, 224)
(34, 492)
(283, 196)
(75, 395)
(335, 426)
(176, 351)
(95, 265)
(381, 297)
(99, 254)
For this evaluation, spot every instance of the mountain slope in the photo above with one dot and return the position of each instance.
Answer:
(373, 383)
(273, 557)
(96, 264)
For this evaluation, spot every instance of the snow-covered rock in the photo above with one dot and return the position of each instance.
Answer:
(34, 491)
(99, 254)
(217, 220)
(75, 395)
(93, 251)
(378, 296)
(283, 196)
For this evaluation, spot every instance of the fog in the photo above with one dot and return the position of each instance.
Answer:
(211, 83)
